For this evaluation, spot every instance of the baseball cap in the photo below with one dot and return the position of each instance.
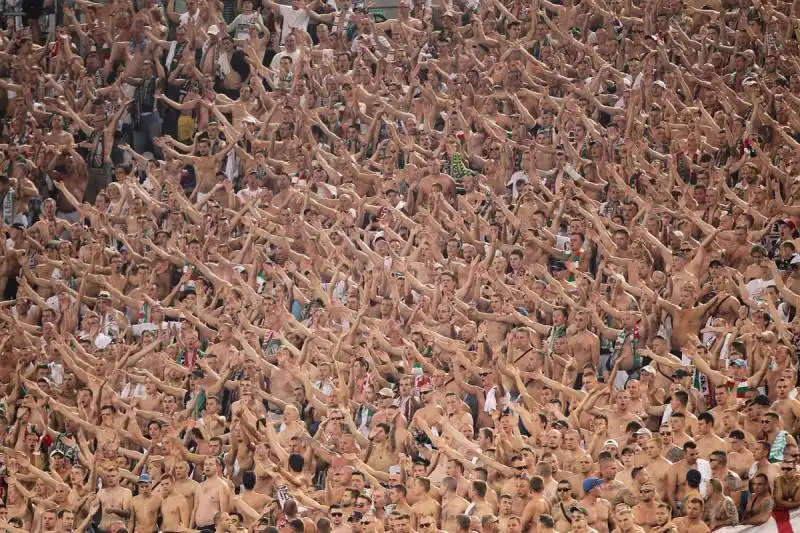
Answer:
(659, 83)
(104, 295)
(648, 369)
(762, 400)
(741, 363)
(590, 483)
(611, 442)
(144, 477)
(643, 431)
(386, 392)
(213, 30)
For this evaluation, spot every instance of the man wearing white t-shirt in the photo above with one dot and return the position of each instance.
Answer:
(290, 50)
(294, 16)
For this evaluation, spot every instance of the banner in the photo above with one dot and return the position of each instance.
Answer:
(782, 521)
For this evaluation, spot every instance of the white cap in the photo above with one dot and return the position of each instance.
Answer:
(213, 30)
(660, 83)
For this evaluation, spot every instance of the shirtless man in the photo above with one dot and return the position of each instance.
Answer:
(759, 506)
(707, 441)
(740, 458)
(787, 487)
(212, 496)
(452, 506)
(693, 521)
(382, 453)
(676, 478)
(425, 506)
(787, 408)
(175, 509)
(205, 164)
(145, 507)
(645, 512)
(618, 417)
(477, 494)
(184, 485)
(115, 500)
(598, 508)
(658, 466)
(537, 504)
(584, 345)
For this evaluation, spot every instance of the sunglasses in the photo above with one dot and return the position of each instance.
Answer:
(646, 491)
(665, 433)
(787, 469)
(564, 489)
(425, 525)
(336, 515)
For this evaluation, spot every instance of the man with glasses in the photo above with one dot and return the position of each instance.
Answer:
(645, 511)
(787, 486)
(565, 500)
(338, 525)
(771, 433)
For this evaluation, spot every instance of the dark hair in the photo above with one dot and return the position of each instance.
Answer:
(547, 521)
(682, 396)
(249, 480)
(706, 417)
(297, 525)
(537, 484)
(720, 456)
(296, 462)
(480, 487)
(689, 445)
(693, 478)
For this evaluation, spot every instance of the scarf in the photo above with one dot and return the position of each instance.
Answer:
(623, 336)
(457, 168)
(776, 450)
(143, 95)
(175, 53)
(555, 333)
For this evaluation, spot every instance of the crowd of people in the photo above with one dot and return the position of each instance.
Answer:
(491, 266)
